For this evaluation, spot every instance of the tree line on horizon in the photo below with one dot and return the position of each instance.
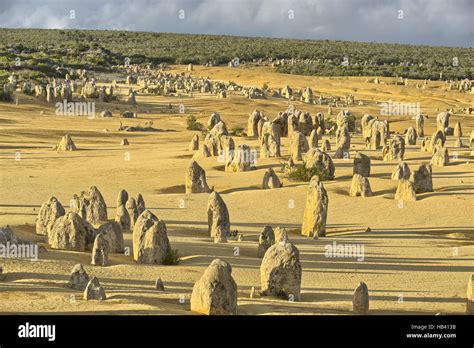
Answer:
(42, 50)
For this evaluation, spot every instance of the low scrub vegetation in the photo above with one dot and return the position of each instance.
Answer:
(43, 50)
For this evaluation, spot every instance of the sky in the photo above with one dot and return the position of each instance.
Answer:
(431, 22)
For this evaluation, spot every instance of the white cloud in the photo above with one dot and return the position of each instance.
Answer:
(439, 22)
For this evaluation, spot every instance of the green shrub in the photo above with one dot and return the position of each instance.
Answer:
(328, 124)
(172, 257)
(193, 124)
(301, 173)
(237, 131)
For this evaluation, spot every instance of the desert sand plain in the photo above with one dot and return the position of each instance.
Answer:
(418, 258)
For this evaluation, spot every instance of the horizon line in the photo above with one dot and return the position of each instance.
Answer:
(240, 36)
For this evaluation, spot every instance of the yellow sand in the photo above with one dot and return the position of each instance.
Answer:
(421, 253)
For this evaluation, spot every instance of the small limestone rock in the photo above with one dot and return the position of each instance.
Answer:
(305, 123)
(410, 137)
(159, 284)
(218, 215)
(360, 186)
(326, 146)
(94, 291)
(402, 171)
(202, 152)
(422, 179)
(316, 210)
(122, 217)
(405, 191)
(94, 205)
(100, 251)
(280, 271)
(265, 241)
(70, 232)
(457, 130)
(298, 146)
(242, 161)
(132, 98)
(270, 180)
(395, 150)
(128, 114)
(112, 232)
(194, 145)
(321, 161)
(442, 120)
(220, 235)
(437, 139)
(360, 303)
(215, 293)
(440, 156)
(252, 123)
(196, 179)
(343, 141)
(313, 139)
(269, 145)
(214, 119)
(319, 132)
(66, 144)
(78, 206)
(425, 145)
(361, 164)
(292, 125)
(419, 123)
(379, 133)
(132, 210)
(48, 213)
(79, 278)
(281, 235)
(150, 239)
(140, 204)
(122, 198)
(364, 122)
